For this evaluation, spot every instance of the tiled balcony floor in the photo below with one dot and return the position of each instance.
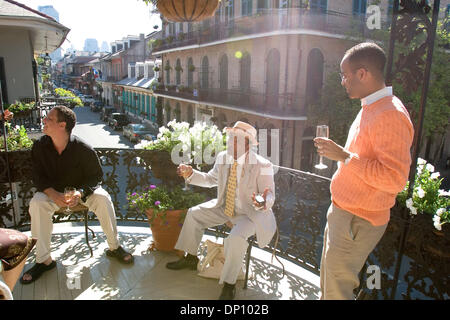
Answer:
(103, 278)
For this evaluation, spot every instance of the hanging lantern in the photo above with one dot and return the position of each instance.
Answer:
(186, 10)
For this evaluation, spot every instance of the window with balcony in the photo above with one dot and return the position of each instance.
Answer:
(245, 65)
(177, 112)
(359, 7)
(167, 68)
(204, 73)
(247, 7)
(229, 11)
(314, 77)
(178, 72)
(190, 115)
(167, 109)
(190, 73)
(262, 5)
(223, 72)
(272, 78)
(318, 5)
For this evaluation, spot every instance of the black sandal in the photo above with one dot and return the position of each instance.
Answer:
(36, 271)
(120, 254)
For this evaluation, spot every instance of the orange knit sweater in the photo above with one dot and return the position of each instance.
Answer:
(380, 139)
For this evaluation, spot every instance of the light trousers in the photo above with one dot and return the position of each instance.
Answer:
(348, 241)
(235, 245)
(42, 209)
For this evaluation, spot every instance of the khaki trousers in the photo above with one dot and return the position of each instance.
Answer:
(42, 209)
(348, 241)
(235, 245)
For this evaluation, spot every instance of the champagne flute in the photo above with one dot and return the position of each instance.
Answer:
(68, 194)
(321, 131)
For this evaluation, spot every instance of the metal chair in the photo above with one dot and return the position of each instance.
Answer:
(84, 211)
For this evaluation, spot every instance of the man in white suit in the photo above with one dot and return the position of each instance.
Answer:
(239, 175)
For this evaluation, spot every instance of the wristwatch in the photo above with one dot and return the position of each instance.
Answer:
(83, 197)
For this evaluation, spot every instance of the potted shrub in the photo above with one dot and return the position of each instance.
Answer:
(166, 210)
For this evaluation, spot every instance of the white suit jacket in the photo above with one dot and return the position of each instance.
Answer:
(258, 175)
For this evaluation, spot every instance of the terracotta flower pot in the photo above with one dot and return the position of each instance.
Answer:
(165, 232)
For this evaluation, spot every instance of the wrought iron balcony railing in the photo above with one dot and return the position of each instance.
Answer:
(268, 21)
(301, 204)
(271, 105)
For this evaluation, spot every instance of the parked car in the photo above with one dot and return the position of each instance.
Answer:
(118, 120)
(96, 106)
(136, 132)
(105, 112)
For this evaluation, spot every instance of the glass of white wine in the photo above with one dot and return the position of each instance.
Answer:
(322, 131)
(183, 172)
(68, 194)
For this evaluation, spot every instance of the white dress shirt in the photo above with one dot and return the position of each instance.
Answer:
(380, 94)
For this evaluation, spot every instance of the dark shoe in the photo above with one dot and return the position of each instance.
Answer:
(228, 291)
(120, 254)
(188, 262)
(36, 271)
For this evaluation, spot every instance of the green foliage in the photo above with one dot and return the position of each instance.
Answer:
(161, 199)
(17, 139)
(73, 99)
(20, 107)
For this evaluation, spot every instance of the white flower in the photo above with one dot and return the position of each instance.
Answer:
(430, 167)
(413, 210)
(409, 203)
(421, 161)
(438, 226)
(443, 193)
(440, 211)
(436, 219)
(420, 192)
(435, 175)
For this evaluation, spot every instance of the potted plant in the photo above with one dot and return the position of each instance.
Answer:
(178, 68)
(167, 67)
(178, 142)
(429, 205)
(166, 210)
(156, 69)
(19, 155)
(21, 109)
(191, 68)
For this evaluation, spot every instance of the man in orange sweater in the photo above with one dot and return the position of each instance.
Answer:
(372, 169)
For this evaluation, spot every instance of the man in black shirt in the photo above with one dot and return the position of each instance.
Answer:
(62, 160)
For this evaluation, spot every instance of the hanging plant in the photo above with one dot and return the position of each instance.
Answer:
(186, 10)
(156, 69)
(167, 67)
(178, 68)
(191, 68)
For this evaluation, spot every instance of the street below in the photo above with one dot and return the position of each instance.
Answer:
(97, 133)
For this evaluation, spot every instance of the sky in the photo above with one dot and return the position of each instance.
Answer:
(104, 20)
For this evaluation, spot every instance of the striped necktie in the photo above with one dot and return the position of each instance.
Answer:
(231, 191)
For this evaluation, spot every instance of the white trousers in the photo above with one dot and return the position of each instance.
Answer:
(42, 209)
(235, 245)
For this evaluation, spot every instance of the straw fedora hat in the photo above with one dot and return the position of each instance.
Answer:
(243, 128)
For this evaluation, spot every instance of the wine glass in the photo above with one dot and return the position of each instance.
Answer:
(183, 171)
(68, 194)
(321, 131)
